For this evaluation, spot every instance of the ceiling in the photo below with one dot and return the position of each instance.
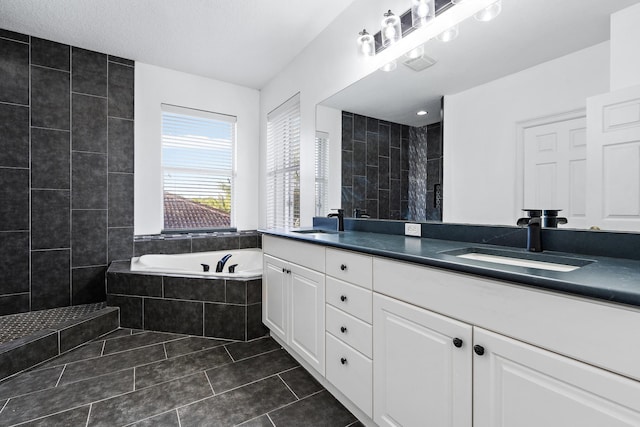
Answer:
(526, 33)
(245, 42)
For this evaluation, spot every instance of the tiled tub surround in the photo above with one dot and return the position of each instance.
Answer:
(220, 308)
(66, 171)
(152, 378)
(196, 242)
(389, 169)
(31, 338)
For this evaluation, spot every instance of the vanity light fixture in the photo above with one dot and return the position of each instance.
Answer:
(490, 12)
(391, 29)
(448, 34)
(415, 53)
(422, 113)
(421, 12)
(389, 66)
(366, 44)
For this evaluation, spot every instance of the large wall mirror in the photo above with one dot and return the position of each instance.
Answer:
(513, 103)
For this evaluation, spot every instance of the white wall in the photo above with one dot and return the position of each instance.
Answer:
(155, 86)
(625, 48)
(329, 120)
(480, 131)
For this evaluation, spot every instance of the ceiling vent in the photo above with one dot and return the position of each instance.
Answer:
(421, 63)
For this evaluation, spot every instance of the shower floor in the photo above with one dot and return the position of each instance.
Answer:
(20, 325)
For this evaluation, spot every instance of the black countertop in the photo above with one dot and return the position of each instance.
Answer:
(611, 279)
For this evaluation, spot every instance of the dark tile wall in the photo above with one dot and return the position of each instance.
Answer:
(390, 170)
(375, 166)
(66, 171)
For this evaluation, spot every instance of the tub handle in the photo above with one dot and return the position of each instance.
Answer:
(232, 268)
(205, 267)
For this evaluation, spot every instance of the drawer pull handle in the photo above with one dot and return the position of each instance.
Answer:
(478, 349)
(343, 360)
(343, 329)
(343, 267)
(343, 298)
(457, 342)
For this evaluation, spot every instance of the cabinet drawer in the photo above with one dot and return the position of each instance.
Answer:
(352, 299)
(351, 373)
(352, 331)
(304, 254)
(351, 267)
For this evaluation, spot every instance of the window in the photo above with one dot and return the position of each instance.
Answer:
(283, 165)
(322, 173)
(197, 168)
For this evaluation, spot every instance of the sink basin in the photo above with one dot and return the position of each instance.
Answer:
(528, 260)
(315, 231)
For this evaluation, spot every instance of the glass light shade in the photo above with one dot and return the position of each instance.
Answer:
(366, 44)
(416, 52)
(448, 34)
(422, 11)
(391, 30)
(389, 66)
(490, 12)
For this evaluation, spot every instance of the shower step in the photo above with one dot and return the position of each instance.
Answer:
(38, 336)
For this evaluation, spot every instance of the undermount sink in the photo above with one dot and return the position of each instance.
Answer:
(315, 231)
(528, 260)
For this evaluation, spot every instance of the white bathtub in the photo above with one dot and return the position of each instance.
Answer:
(249, 264)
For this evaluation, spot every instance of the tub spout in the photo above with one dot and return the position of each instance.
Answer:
(222, 262)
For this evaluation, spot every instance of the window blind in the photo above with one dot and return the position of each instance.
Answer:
(197, 168)
(283, 165)
(322, 173)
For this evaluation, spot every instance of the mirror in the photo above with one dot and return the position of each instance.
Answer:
(503, 81)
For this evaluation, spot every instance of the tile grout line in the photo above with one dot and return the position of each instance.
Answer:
(104, 344)
(227, 350)
(287, 385)
(30, 195)
(89, 414)
(134, 378)
(270, 420)
(60, 376)
(5, 405)
(209, 381)
(178, 415)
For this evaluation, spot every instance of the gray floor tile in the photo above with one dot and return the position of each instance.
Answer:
(168, 419)
(70, 418)
(321, 410)
(86, 351)
(51, 401)
(150, 401)
(128, 359)
(180, 366)
(191, 344)
(242, 350)
(135, 341)
(237, 406)
(262, 421)
(120, 332)
(248, 370)
(29, 382)
(301, 382)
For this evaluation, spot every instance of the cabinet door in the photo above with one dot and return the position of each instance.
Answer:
(420, 378)
(307, 315)
(274, 296)
(516, 384)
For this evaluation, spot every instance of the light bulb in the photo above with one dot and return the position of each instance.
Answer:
(421, 12)
(490, 12)
(389, 32)
(389, 66)
(448, 34)
(415, 52)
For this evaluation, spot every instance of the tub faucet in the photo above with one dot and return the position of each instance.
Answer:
(534, 228)
(222, 262)
(340, 216)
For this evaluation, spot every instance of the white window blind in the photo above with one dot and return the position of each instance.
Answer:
(322, 173)
(197, 168)
(283, 165)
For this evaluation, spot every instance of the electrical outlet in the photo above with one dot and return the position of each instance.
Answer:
(413, 229)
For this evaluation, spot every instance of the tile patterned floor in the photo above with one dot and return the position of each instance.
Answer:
(135, 378)
(20, 325)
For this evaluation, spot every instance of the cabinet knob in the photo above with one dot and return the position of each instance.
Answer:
(457, 342)
(343, 329)
(478, 349)
(343, 361)
(284, 270)
(343, 267)
(343, 298)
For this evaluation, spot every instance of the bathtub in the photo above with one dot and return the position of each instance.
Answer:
(249, 264)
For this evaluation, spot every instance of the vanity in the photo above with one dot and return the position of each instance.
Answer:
(406, 332)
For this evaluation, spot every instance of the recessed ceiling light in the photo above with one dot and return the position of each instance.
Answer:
(422, 113)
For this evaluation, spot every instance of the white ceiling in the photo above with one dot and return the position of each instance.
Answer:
(246, 42)
(527, 33)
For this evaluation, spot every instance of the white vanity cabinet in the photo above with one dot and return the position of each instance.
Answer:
(293, 295)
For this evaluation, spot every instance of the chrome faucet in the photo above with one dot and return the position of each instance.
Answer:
(534, 229)
(340, 216)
